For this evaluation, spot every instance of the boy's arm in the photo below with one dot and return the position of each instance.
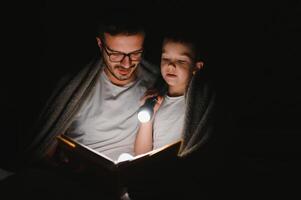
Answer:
(144, 138)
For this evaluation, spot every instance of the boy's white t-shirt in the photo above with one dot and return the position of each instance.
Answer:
(107, 122)
(169, 121)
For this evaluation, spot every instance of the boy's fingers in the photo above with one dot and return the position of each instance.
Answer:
(151, 92)
(159, 99)
(146, 96)
(143, 99)
(158, 104)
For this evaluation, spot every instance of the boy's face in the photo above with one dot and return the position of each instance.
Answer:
(177, 64)
(122, 54)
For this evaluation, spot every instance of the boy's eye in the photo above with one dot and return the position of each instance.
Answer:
(181, 62)
(164, 60)
(176, 62)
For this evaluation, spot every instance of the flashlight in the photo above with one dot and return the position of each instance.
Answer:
(146, 111)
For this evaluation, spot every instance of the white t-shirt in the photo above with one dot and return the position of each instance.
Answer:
(169, 121)
(107, 122)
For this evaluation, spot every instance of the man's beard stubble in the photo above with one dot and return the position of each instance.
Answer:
(121, 77)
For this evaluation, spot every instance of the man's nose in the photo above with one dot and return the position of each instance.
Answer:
(126, 61)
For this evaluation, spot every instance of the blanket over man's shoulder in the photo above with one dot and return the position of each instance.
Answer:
(64, 103)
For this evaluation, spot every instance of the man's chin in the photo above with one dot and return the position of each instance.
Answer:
(123, 77)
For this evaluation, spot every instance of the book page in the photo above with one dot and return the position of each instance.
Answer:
(84, 150)
(170, 150)
(169, 147)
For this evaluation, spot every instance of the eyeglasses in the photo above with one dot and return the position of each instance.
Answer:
(117, 56)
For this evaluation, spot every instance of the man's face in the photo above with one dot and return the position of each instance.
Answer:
(121, 54)
(177, 64)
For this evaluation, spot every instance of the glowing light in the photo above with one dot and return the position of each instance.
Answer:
(124, 156)
(146, 111)
(144, 116)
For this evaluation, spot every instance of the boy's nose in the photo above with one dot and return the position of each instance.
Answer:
(171, 65)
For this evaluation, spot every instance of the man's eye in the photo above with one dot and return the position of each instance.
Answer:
(137, 54)
(117, 54)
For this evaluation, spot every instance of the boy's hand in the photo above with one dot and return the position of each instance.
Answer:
(149, 94)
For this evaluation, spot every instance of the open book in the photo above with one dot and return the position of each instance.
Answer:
(77, 149)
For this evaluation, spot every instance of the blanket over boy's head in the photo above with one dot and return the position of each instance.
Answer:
(200, 113)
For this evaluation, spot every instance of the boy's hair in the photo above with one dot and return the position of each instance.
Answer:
(188, 37)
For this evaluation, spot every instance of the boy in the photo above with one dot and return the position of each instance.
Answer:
(179, 62)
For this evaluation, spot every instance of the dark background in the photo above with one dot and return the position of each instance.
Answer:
(253, 54)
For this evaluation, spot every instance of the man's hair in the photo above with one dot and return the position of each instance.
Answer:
(121, 22)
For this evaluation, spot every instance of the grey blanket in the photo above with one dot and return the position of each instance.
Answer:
(70, 94)
(200, 113)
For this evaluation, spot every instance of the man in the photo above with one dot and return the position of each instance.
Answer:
(97, 107)
(107, 121)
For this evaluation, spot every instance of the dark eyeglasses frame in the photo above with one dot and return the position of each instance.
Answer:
(106, 48)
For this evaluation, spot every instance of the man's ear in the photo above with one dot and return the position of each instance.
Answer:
(198, 66)
(99, 43)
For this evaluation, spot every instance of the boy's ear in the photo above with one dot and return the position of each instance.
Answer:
(99, 43)
(198, 66)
